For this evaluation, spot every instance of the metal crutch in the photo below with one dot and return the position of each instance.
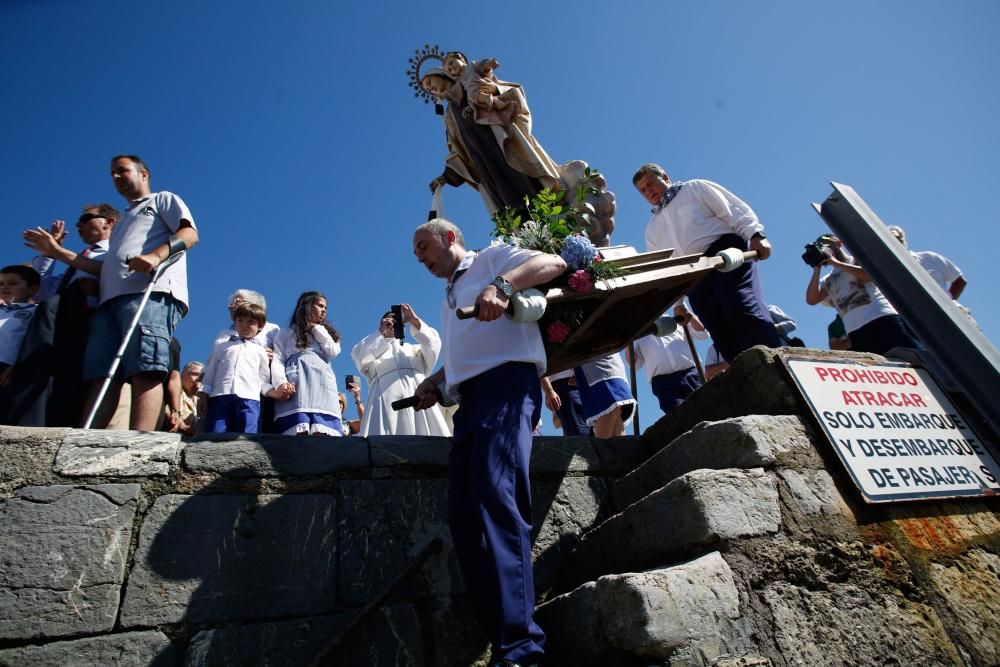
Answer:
(157, 272)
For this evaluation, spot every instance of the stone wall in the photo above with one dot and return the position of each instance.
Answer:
(726, 535)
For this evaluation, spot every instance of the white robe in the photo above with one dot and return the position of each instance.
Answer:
(393, 370)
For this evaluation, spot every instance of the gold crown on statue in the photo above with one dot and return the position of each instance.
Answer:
(415, 71)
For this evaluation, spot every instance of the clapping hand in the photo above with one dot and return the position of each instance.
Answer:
(58, 231)
(43, 242)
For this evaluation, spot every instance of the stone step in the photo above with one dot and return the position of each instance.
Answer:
(685, 614)
(753, 441)
(695, 510)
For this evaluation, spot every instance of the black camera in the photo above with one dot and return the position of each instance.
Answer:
(816, 253)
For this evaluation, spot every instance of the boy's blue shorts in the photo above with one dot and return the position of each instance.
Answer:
(148, 350)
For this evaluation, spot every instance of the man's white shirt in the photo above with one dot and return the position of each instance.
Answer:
(662, 355)
(472, 347)
(700, 213)
(51, 280)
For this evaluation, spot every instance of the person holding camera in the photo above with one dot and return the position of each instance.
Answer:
(393, 370)
(871, 322)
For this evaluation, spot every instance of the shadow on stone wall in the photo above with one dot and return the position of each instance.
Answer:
(280, 543)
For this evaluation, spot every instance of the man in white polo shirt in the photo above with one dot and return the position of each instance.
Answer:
(154, 226)
(492, 364)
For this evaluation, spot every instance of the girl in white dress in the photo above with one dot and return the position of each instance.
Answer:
(302, 356)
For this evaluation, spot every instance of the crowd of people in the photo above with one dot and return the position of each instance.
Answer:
(64, 316)
(72, 338)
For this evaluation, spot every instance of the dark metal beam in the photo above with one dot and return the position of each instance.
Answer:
(947, 332)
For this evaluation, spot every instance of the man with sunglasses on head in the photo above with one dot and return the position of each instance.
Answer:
(67, 300)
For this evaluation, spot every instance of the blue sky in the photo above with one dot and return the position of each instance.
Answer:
(290, 131)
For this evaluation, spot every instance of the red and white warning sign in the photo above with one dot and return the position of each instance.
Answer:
(896, 431)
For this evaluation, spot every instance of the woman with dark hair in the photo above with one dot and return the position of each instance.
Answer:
(302, 355)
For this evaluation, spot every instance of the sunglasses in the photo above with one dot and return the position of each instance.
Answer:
(87, 217)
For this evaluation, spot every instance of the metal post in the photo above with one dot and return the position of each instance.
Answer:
(946, 331)
(635, 391)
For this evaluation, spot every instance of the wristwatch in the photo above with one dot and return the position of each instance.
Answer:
(503, 287)
(758, 235)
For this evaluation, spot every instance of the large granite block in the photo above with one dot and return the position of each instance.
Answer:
(968, 585)
(237, 455)
(849, 625)
(63, 551)
(691, 609)
(743, 442)
(26, 456)
(696, 509)
(561, 513)
(620, 456)
(409, 450)
(755, 384)
(389, 636)
(386, 523)
(124, 453)
(214, 558)
(128, 649)
(575, 454)
(458, 639)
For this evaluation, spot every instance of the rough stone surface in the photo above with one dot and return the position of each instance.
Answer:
(125, 453)
(562, 513)
(727, 395)
(236, 455)
(694, 605)
(389, 522)
(214, 558)
(813, 504)
(743, 442)
(692, 609)
(620, 456)
(26, 456)
(63, 551)
(583, 641)
(388, 451)
(129, 649)
(564, 455)
(389, 636)
(458, 640)
(946, 528)
(696, 509)
(969, 586)
(847, 624)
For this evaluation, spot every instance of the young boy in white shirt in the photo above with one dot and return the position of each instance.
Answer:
(237, 374)
(18, 285)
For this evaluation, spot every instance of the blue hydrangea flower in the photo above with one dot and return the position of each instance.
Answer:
(578, 252)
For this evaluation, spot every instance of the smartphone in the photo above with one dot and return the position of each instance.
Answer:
(397, 319)
(349, 380)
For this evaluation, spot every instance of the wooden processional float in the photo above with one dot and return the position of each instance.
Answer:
(621, 309)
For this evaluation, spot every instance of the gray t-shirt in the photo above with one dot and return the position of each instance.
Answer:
(147, 224)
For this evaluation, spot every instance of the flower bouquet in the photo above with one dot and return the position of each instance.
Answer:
(558, 228)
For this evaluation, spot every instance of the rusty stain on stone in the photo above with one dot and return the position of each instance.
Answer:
(938, 534)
